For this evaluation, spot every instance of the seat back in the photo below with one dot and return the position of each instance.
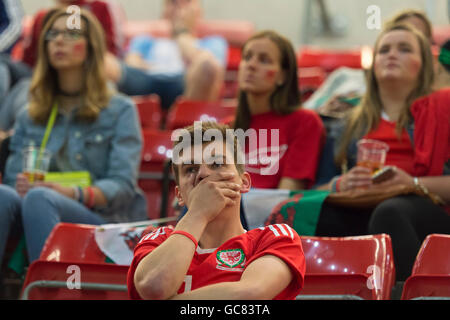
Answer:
(59, 246)
(50, 280)
(430, 276)
(433, 256)
(349, 266)
(155, 178)
(150, 112)
(329, 60)
(185, 112)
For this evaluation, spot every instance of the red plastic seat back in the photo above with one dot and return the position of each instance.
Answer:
(329, 60)
(434, 256)
(150, 113)
(62, 275)
(186, 112)
(156, 150)
(349, 264)
(72, 242)
(430, 275)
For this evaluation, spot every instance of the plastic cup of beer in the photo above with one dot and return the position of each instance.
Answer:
(371, 154)
(35, 163)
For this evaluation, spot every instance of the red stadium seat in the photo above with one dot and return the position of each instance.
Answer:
(59, 246)
(329, 60)
(49, 280)
(311, 78)
(150, 112)
(348, 268)
(154, 175)
(430, 276)
(186, 112)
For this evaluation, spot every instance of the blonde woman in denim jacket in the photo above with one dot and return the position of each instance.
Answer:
(95, 130)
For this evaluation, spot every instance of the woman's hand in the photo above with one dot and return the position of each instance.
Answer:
(399, 177)
(22, 184)
(357, 177)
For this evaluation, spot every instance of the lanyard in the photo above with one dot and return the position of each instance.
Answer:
(48, 129)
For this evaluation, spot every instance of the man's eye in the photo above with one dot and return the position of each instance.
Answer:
(190, 170)
(217, 165)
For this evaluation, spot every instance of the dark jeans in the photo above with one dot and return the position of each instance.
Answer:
(138, 82)
(407, 219)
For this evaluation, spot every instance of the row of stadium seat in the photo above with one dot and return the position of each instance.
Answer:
(337, 268)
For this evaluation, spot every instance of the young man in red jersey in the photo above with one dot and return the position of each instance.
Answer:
(209, 255)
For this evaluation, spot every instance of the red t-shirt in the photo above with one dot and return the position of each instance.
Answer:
(301, 137)
(401, 152)
(100, 9)
(226, 263)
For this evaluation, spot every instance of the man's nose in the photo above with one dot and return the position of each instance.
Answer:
(203, 172)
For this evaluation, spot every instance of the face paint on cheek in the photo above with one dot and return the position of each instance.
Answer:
(79, 49)
(270, 75)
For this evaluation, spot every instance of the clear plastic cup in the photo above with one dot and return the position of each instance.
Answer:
(35, 163)
(371, 154)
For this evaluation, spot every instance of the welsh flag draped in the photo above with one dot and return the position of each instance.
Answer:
(299, 209)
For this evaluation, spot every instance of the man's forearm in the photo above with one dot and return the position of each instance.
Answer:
(160, 274)
(218, 291)
(187, 45)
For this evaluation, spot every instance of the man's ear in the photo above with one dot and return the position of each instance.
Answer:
(246, 182)
(181, 202)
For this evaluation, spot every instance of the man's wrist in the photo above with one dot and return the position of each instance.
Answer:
(195, 225)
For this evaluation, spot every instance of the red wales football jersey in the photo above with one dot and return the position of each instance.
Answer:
(227, 262)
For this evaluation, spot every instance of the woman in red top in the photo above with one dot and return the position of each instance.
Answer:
(284, 141)
(400, 110)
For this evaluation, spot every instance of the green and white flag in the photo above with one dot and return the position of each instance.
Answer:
(299, 209)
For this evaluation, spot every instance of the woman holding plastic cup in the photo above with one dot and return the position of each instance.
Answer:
(400, 111)
(85, 126)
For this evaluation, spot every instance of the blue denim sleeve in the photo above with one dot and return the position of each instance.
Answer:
(16, 145)
(120, 180)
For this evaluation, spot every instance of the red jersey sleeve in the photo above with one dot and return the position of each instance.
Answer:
(32, 39)
(146, 245)
(282, 241)
(103, 13)
(303, 155)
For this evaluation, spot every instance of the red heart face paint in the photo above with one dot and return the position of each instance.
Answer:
(79, 48)
(270, 74)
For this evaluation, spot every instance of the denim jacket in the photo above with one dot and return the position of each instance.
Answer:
(109, 148)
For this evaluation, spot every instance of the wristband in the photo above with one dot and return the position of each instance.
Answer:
(76, 193)
(80, 195)
(91, 200)
(338, 184)
(188, 235)
(334, 184)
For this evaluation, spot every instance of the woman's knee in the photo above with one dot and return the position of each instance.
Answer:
(36, 199)
(389, 212)
(10, 200)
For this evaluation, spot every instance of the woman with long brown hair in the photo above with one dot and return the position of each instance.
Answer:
(91, 129)
(269, 100)
(399, 109)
